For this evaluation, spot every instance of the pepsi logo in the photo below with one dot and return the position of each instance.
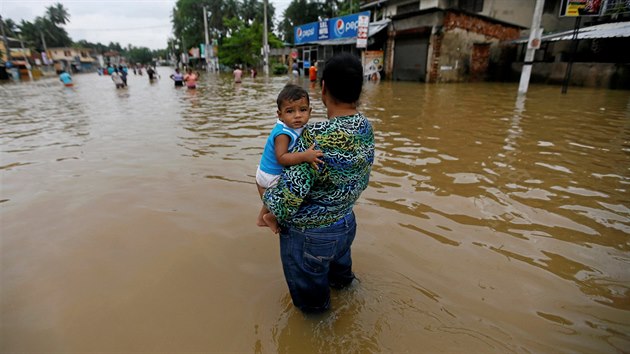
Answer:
(339, 27)
(299, 33)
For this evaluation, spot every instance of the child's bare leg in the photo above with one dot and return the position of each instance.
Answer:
(272, 222)
(259, 221)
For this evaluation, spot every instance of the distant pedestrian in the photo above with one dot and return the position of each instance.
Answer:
(312, 72)
(151, 72)
(117, 79)
(66, 79)
(253, 73)
(123, 74)
(238, 74)
(177, 77)
(295, 70)
(191, 79)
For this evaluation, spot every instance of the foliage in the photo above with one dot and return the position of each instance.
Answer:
(226, 19)
(244, 42)
(279, 69)
(139, 55)
(45, 29)
(298, 12)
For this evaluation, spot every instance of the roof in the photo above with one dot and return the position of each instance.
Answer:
(374, 28)
(605, 30)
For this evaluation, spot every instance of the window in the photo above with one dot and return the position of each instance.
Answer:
(471, 5)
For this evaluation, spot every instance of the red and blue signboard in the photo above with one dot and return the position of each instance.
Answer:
(335, 28)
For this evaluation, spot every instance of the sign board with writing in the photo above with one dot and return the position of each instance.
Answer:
(306, 33)
(574, 8)
(362, 31)
(323, 30)
(345, 26)
(334, 28)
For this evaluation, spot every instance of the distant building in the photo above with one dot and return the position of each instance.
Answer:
(71, 59)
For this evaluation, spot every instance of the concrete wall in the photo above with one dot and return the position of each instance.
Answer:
(518, 12)
(605, 75)
(452, 49)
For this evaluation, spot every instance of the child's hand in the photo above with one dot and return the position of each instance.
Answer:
(312, 156)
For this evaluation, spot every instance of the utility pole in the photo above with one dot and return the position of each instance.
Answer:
(6, 40)
(206, 51)
(41, 34)
(532, 44)
(27, 64)
(265, 44)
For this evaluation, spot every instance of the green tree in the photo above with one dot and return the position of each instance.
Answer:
(47, 29)
(243, 44)
(57, 14)
(298, 12)
(188, 26)
(139, 55)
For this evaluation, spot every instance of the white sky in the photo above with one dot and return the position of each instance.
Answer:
(141, 23)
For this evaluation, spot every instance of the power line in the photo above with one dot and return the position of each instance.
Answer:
(115, 29)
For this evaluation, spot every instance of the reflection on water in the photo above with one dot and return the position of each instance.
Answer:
(493, 223)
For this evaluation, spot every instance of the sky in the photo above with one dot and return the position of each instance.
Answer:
(141, 23)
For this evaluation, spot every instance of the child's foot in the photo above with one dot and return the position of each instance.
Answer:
(260, 221)
(272, 222)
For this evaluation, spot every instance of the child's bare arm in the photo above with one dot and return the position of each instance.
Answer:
(286, 158)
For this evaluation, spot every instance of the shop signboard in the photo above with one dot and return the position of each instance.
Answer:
(334, 28)
(574, 8)
(362, 31)
(306, 33)
(345, 26)
(323, 30)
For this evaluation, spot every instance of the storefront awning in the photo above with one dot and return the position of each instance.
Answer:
(374, 28)
(605, 30)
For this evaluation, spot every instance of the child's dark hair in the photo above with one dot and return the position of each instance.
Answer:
(291, 93)
(343, 77)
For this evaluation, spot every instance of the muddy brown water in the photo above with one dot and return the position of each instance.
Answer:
(492, 224)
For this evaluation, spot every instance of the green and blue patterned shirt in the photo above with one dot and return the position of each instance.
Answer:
(309, 198)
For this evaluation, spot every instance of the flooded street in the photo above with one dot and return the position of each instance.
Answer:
(491, 224)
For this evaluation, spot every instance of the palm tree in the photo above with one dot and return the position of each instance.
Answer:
(58, 14)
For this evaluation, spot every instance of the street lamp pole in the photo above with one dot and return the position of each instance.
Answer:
(6, 40)
(27, 64)
(206, 51)
(532, 44)
(265, 43)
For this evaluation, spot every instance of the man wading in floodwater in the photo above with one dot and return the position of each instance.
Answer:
(314, 206)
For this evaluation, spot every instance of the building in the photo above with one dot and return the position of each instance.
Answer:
(355, 33)
(469, 40)
(71, 59)
(449, 40)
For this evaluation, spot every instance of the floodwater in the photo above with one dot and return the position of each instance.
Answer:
(491, 224)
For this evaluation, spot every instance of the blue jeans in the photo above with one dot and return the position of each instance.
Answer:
(314, 260)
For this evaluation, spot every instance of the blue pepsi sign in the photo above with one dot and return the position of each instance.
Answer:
(306, 33)
(345, 26)
(335, 28)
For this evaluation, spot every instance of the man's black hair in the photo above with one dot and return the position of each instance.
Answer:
(291, 93)
(343, 77)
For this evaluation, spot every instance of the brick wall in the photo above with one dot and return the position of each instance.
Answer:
(454, 20)
(435, 58)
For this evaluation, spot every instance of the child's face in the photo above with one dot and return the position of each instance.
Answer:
(295, 114)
